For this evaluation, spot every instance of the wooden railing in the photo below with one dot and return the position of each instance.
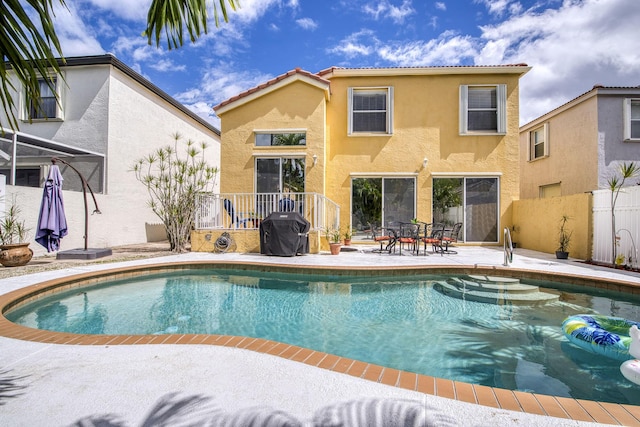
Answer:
(246, 210)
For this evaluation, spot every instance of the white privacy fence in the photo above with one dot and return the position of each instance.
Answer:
(627, 214)
(247, 210)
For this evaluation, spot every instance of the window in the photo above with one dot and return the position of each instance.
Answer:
(370, 110)
(538, 143)
(280, 175)
(551, 190)
(632, 119)
(483, 109)
(280, 139)
(24, 177)
(46, 107)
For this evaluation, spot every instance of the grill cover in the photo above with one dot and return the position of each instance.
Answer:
(284, 234)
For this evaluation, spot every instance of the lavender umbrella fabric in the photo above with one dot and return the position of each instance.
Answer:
(52, 222)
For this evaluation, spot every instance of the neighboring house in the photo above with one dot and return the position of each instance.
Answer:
(377, 141)
(108, 117)
(578, 146)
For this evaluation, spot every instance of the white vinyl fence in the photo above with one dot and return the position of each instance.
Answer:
(627, 214)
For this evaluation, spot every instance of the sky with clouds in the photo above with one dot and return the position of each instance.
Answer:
(571, 44)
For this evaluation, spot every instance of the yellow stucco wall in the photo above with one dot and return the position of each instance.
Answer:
(297, 106)
(537, 223)
(573, 152)
(244, 240)
(426, 124)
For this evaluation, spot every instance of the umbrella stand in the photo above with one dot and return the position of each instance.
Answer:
(85, 253)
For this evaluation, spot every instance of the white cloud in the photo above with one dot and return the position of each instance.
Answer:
(218, 83)
(76, 39)
(385, 9)
(133, 10)
(448, 49)
(440, 5)
(307, 23)
(361, 43)
(570, 49)
(496, 7)
(167, 65)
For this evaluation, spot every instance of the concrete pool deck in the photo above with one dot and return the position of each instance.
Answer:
(44, 384)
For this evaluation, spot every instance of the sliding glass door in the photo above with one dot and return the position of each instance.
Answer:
(377, 201)
(472, 201)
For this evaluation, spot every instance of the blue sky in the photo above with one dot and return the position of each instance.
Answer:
(571, 44)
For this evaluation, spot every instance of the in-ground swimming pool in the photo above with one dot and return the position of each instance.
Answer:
(398, 322)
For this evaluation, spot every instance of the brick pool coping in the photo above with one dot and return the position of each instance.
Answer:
(531, 403)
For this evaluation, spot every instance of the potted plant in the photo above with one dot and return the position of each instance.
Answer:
(333, 237)
(514, 231)
(564, 239)
(348, 234)
(14, 248)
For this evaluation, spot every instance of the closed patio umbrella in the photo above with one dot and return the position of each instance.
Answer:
(52, 222)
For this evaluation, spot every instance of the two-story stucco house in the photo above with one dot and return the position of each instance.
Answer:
(377, 142)
(108, 117)
(578, 146)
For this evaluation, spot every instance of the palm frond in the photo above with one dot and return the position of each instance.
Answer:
(29, 50)
(172, 16)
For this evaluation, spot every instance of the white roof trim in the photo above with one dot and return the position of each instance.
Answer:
(273, 87)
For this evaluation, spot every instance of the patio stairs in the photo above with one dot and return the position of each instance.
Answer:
(494, 290)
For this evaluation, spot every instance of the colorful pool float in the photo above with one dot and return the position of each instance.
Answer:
(608, 336)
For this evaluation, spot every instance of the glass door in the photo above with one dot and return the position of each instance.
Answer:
(283, 177)
(471, 201)
(378, 201)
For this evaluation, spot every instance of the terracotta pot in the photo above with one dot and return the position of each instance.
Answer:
(15, 255)
(347, 242)
(335, 248)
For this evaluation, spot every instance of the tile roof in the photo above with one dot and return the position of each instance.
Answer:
(593, 90)
(320, 76)
(277, 79)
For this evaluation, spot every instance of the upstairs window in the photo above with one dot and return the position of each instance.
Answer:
(538, 143)
(370, 110)
(483, 109)
(264, 139)
(46, 107)
(632, 119)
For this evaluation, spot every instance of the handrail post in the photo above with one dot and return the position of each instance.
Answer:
(508, 248)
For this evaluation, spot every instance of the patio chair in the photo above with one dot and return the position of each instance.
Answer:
(235, 219)
(450, 237)
(286, 204)
(409, 235)
(433, 234)
(387, 238)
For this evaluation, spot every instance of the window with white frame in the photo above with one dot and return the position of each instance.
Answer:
(539, 142)
(46, 107)
(632, 119)
(370, 110)
(483, 109)
(266, 139)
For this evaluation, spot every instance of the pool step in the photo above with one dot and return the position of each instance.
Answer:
(494, 290)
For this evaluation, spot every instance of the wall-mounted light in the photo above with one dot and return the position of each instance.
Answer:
(425, 161)
(315, 159)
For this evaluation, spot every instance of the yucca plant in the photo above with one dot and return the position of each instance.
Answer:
(626, 171)
(12, 227)
(173, 183)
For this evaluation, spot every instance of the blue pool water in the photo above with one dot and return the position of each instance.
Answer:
(400, 323)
